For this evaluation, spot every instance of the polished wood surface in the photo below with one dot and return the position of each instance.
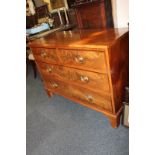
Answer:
(119, 69)
(81, 94)
(89, 67)
(97, 39)
(88, 60)
(84, 78)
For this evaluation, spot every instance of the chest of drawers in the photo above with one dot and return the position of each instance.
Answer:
(89, 67)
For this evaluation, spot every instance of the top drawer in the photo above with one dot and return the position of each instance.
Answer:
(87, 60)
(46, 55)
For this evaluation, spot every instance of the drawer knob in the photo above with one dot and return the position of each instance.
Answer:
(43, 54)
(54, 85)
(79, 59)
(49, 69)
(89, 98)
(84, 79)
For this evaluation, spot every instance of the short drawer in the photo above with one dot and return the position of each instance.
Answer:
(46, 55)
(88, 60)
(83, 95)
(95, 81)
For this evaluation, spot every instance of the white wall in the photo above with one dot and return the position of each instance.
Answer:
(120, 13)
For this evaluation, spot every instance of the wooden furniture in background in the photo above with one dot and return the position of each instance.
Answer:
(71, 15)
(93, 13)
(55, 4)
(41, 10)
(89, 67)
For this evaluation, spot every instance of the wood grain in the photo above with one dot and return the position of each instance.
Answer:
(91, 15)
(119, 69)
(90, 67)
(94, 81)
(83, 94)
(87, 60)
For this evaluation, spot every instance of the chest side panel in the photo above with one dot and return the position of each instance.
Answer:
(119, 68)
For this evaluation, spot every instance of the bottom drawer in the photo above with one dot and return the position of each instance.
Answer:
(81, 94)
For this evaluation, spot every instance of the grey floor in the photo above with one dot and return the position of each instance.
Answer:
(58, 126)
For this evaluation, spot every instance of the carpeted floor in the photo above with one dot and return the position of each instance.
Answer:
(58, 126)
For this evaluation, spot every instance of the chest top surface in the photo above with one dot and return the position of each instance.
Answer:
(93, 39)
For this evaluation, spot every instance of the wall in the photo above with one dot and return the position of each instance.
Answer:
(120, 13)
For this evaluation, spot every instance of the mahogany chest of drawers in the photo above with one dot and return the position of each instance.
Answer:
(89, 67)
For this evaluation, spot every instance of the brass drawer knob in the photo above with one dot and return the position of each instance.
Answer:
(49, 69)
(79, 59)
(43, 54)
(89, 98)
(54, 85)
(84, 79)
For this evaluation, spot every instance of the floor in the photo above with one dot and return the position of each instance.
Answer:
(58, 126)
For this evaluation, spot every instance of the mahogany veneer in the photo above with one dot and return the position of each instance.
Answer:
(89, 67)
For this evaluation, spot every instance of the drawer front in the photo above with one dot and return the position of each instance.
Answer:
(87, 60)
(84, 95)
(96, 81)
(46, 55)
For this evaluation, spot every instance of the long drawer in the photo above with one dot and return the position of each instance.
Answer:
(87, 60)
(84, 95)
(95, 81)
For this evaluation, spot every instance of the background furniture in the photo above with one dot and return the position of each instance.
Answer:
(41, 10)
(71, 16)
(31, 21)
(83, 13)
(93, 13)
(86, 66)
(57, 4)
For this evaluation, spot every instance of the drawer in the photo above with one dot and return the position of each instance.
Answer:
(96, 81)
(83, 95)
(86, 60)
(46, 55)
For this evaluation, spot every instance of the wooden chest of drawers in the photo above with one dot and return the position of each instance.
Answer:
(89, 67)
